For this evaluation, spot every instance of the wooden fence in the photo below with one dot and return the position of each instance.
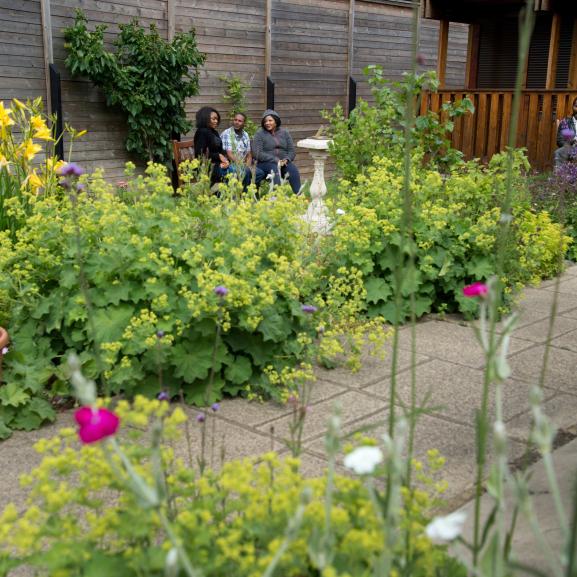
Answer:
(486, 131)
(308, 47)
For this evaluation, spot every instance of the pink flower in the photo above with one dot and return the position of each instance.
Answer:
(477, 289)
(95, 424)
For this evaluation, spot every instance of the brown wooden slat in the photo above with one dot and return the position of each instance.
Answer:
(532, 125)
(494, 122)
(505, 120)
(468, 129)
(481, 127)
(544, 130)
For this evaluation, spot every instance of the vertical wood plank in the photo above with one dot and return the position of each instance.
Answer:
(553, 51)
(481, 127)
(47, 47)
(544, 148)
(532, 124)
(267, 48)
(442, 52)
(457, 138)
(494, 114)
(472, 65)
(170, 19)
(469, 128)
(350, 51)
(505, 120)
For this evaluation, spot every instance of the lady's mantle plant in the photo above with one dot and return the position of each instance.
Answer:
(147, 77)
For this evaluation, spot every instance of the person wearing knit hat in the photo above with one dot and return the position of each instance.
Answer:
(274, 150)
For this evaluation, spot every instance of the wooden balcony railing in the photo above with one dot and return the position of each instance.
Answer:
(486, 131)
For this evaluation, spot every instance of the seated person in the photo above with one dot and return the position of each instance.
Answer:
(274, 151)
(236, 144)
(207, 143)
(568, 151)
(567, 123)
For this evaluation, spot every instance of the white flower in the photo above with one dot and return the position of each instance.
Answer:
(442, 530)
(363, 460)
(5, 350)
(340, 211)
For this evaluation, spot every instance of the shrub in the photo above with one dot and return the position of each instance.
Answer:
(129, 282)
(377, 130)
(146, 76)
(557, 194)
(82, 517)
(455, 222)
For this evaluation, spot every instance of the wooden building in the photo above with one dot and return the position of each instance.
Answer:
(309, 48)
(549, 79)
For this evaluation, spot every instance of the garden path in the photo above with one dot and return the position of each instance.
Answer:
(449, 365)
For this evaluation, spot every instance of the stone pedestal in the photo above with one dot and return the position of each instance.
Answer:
(316, 214)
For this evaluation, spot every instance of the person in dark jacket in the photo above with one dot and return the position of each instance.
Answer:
(568, 123)
(274, 151)
(207, 143)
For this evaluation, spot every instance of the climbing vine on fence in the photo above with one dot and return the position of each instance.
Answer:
(146, 76)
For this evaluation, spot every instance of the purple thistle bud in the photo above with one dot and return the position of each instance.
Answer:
(309, 309)
(163, 396)
(160, 334)
(215, 407)
(71, 169)
(80, 187)
(5, 350)
(220, 291)
(200, 418)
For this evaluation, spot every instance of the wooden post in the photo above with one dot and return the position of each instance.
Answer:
(572, 81)
(47, 47)
(267, 47)
(171, 19)
(350, 48)
(553, 51)
(442, 55)
(471, 74)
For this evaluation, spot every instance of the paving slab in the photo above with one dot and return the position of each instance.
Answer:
(538, 332)
(567, 285)
(561, 408)
(525, 546)
(452, 342)
(455, 442)
(454, 391)
(566, 341)
(561, 374)
(353, 405)
(373, 368)
(541, 300)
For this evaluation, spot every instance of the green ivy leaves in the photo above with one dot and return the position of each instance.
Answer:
(146, 76)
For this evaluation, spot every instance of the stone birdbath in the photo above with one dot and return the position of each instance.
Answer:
(316, 215)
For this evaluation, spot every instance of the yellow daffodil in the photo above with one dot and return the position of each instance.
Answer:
(4, 162)
(5, 119)
(81, 133)
(54, 165)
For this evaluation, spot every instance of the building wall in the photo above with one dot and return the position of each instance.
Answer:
(309, 58)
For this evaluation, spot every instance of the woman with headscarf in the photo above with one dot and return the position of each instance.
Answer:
(274, 151)
(207, 143)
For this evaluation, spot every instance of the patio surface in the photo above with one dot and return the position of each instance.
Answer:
(449, 369)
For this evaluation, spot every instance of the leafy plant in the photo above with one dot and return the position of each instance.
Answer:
(455, 222)
(235, 90)
(150, 265)
(147, 77)
(232, 521)
(377, 130)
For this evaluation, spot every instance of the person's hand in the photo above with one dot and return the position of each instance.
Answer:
(224, 164)
(284, 162)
